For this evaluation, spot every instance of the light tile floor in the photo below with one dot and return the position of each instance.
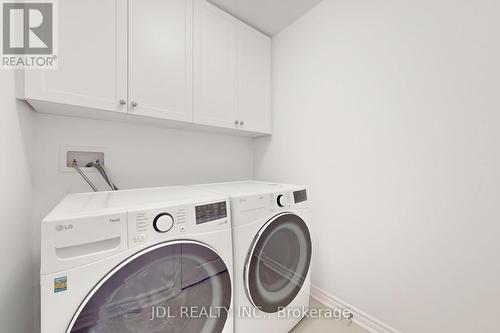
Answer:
(309, 325)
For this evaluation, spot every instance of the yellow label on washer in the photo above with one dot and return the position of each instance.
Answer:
(60, 284)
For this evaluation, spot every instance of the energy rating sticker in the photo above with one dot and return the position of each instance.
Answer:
(60, 284)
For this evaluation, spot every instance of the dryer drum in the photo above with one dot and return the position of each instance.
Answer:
(172, 275)
(278, 262)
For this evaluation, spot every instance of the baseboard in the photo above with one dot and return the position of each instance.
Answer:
(361, 318)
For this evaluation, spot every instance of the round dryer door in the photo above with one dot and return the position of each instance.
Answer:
(278, 262)
(180, 286)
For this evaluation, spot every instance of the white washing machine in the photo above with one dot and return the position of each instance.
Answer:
(272, 254)
(137, 261)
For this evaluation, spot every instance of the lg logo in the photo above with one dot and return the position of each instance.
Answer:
(28, 27)
(64, 227)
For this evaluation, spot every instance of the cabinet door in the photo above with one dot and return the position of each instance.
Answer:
(254, 80)
(92, 57)
(215, 66)
(160, 58)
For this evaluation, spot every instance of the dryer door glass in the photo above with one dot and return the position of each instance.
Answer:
(278, 262)
(171, 287)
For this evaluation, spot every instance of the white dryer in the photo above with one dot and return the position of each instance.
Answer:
(150, 260)
(272, 254)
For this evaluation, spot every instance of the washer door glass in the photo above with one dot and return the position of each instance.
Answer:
(171, 287)
(278, 262)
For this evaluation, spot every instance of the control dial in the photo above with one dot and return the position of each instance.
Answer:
(281, 200)
(163, 222)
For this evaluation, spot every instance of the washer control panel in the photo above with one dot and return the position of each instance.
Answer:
(154, 224)
(211, 212)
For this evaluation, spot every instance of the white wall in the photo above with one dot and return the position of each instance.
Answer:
(140, 156)
(390, 111)
(17, 262)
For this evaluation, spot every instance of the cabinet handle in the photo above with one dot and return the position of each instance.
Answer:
(134, 104)
(123, 102)
(236, 122)
(242, 123)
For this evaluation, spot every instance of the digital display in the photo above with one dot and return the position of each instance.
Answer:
(300, 196)
(211, 212)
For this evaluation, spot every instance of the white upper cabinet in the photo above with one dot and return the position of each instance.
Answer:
(160, 58)
(180, 63)
(216, 66)
(232, 72)
(92, 56)
(254, 80)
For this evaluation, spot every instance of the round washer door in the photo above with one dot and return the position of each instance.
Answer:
(278, 262)
(180, 286)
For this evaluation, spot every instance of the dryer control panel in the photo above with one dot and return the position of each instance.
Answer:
(154, 224)
(300, 196)
(248, 209)
(290, 198)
